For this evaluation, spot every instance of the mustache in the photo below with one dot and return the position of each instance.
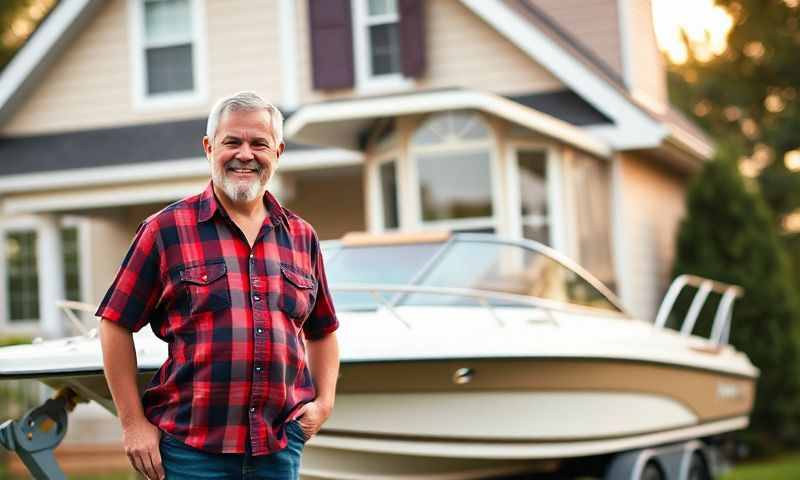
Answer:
(252, 164)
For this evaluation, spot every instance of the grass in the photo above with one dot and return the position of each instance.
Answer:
(780, 468)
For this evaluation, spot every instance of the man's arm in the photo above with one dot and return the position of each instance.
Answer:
(140, 437)
(323, 362)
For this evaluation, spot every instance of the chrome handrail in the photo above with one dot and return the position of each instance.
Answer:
(69, 307)
(720, 330)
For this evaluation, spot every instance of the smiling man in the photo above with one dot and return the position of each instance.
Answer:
(235, 284)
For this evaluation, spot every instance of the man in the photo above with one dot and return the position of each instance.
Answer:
(235, 284)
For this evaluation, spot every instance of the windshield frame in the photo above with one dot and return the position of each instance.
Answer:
(532, 245)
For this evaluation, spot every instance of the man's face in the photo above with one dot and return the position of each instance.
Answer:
(243, 155)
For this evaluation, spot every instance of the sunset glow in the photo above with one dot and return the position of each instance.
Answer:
(705, 25)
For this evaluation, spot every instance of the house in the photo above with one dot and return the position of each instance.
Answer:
(541, 119)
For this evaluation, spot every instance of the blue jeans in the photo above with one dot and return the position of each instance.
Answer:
(182, 462)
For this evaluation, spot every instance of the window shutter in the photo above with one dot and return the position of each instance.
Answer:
(412, 37)
(331, 43)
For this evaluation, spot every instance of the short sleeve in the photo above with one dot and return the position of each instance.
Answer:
(322, 320)
(134, 294)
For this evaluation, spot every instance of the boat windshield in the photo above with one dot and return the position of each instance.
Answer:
(484, 265)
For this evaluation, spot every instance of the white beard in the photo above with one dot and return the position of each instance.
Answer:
(237, 190)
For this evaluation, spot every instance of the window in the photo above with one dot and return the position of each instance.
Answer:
(69, 248)
(533, 195)
(455, 142)
(591, 178)
(22, 277)
(168, 46)
(167, 51)
(388, 180)
(377, 42)
(382, 25)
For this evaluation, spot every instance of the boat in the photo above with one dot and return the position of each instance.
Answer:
(470, 356)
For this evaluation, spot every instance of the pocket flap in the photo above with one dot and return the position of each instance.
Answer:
(204, 274)
(297, 279)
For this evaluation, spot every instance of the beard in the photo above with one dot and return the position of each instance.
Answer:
(240, 190)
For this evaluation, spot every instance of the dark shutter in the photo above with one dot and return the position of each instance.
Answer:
(412, 37)
(331, 43)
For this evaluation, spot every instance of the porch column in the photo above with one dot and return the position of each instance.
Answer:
(50, 269)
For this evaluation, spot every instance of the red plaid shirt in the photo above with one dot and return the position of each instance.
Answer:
(234, 318)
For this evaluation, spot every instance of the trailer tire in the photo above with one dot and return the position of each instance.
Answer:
(697, 468)
(652, 471)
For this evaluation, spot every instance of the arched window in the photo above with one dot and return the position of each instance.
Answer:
(452, 151)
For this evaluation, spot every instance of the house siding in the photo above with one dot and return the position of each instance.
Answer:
(646, 77)
(90, 85)
(650, 206)
(594, 23)
(493, 63)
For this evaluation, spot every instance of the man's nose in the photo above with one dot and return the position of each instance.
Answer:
(245, 152)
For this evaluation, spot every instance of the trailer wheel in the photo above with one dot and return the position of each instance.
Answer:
(698, 469)
(652, 472)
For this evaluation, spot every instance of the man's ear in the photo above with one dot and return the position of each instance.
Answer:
(281, 148)
(207, 145)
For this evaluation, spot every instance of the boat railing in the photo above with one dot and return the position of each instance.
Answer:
(721, 328)
(70, 308)
(483, 298)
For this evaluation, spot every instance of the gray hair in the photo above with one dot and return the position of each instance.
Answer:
(245, 102)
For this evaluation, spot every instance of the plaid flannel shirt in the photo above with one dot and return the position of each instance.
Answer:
(234, 318)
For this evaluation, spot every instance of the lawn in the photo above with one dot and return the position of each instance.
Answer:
(781, 468)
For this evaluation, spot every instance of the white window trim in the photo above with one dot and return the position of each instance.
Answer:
(555, 192)
(198, 96)
(29, 223)
(366, 83)
(490, 144)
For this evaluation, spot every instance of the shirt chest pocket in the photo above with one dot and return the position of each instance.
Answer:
(207, 286)
(298, 293)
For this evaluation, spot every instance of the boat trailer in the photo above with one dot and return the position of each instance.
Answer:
(35, 436)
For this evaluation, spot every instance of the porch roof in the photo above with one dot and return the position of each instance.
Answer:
(338, 123)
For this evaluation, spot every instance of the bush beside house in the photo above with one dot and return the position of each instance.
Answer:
(729, 235)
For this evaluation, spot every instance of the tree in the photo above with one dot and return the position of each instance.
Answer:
(18, 19)
(748, 99)
(728, 235)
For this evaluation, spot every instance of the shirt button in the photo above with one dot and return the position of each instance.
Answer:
(252, 409)
(259, 330)
(204, 278)
(258, 369)
(252, 256)
(256, 298)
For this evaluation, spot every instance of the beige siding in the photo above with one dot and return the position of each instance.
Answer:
(652, 205)
(463, 51)
(594, 23)
(648, 78)
(90, 85)
(331, 201)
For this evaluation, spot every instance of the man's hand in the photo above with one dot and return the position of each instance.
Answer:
(141, 441)
(311, 417)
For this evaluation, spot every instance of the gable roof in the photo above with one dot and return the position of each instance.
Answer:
(520, 21)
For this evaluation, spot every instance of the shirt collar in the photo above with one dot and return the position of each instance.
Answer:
(209, 205)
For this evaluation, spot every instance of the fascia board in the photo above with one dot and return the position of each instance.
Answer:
(161, 170)
(634, 128)
(441, 101)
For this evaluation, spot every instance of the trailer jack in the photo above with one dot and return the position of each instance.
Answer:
(36, 435)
